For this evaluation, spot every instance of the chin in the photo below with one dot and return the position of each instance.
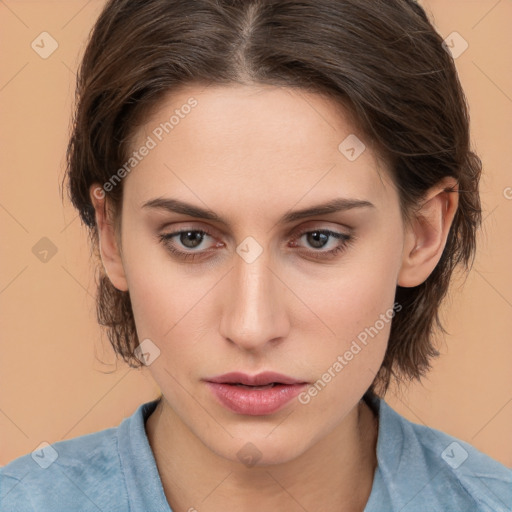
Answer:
(259, 450)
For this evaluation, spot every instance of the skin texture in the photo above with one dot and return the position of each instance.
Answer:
(252, 154)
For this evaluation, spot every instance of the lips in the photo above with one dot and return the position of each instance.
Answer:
(262, 394)
(254, 395)
(261, 379)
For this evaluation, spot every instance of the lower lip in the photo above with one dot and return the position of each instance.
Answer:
(255, 402)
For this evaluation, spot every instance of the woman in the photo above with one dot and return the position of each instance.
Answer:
(278, 194)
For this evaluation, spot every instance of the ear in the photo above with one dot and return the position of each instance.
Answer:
(426, 238)
(108, 243)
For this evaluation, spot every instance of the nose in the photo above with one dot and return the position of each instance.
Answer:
(254, 312)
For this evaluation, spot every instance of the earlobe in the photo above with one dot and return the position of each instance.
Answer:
(108, 244)
(426, 238)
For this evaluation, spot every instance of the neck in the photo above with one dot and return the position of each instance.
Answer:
(335, 474)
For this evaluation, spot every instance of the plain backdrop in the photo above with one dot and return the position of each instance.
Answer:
(58, 375)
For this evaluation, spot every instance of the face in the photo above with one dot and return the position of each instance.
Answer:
(254, 288)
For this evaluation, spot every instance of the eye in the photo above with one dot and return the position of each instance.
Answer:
(188, 238)
(192, 239)
(320, 238)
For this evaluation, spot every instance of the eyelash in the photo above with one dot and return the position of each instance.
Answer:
(345, 242)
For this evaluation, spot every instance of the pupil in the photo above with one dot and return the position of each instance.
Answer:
(191, 236)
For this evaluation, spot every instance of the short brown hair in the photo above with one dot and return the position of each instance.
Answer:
(381, 59)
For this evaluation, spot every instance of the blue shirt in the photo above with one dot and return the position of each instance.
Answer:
(419, 469)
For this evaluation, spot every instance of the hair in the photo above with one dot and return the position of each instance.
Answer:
(381, 60)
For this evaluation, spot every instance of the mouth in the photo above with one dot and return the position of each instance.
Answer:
(266, 386)
(264, 380)
(262, 394)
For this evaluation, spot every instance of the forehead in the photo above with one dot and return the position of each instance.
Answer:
(249, 143)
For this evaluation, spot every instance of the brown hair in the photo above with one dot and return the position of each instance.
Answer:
(380, 59)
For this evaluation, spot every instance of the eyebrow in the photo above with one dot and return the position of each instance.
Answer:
(333, 206)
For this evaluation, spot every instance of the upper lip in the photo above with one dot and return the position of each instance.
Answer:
(254, 380)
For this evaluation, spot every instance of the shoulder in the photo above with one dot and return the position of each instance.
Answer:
(424, 467)
(83, 473)
(462, 470)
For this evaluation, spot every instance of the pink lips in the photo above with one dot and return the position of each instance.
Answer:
(260, 394)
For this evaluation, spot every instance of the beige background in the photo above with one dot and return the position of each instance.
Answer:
(58, 376)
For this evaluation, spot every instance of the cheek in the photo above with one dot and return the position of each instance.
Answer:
(161, 299)
(353, 309)
(170, 303)
(347, 299)
(345, 363)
